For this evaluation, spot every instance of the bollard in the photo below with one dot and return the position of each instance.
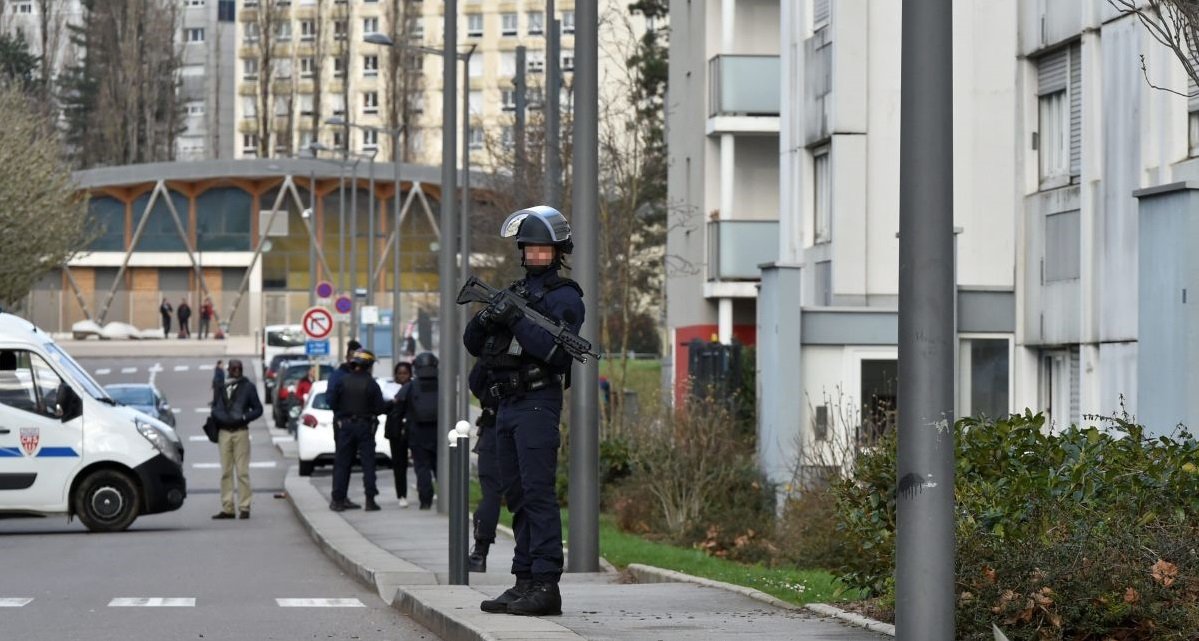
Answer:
(459, 503)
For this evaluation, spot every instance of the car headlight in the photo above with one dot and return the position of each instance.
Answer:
(159, 440)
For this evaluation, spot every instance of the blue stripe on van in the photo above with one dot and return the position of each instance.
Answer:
(57, 452)
(9, 452)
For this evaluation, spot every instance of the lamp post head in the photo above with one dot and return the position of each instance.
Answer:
(336, 121)
(379, 39)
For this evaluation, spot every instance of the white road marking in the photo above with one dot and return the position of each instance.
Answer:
(156, 367)
(202, 410)
(128, 370)
(182, 368)
(281, 439)
(14, 602)
(103, 371)
(217, 466)
(261, 464)
(176, 410)
(319, 603)
(152, 602)
(198, 439)
(205, 368)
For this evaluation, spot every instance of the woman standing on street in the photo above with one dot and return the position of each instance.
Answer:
(166, 310)
(396, 432)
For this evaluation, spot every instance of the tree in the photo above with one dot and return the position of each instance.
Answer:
(405, 79)
(271, 23)
(1174, 24)
(18, 67)
(43, 217)
(120, 102)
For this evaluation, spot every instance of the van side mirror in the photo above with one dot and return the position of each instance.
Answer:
(69, 406)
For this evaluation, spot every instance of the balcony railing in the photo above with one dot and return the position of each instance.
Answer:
(744, 86)
(737, 247)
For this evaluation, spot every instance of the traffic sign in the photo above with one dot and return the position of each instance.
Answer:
(369, 315)
(324, 289)
(317, 323)
(344, 304)
(317, 348)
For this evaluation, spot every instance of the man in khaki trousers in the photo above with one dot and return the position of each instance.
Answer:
(234, 406)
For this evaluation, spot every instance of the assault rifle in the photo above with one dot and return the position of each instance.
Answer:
(476, 291)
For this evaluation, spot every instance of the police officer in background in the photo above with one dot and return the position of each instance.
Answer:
(488, 513)
(419, 401)
(357, 402)
(526, 373)
(340, 371)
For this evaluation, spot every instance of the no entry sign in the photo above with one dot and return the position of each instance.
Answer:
(317, 323)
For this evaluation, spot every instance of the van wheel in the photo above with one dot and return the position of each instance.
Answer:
(107, 501)
(306, 468)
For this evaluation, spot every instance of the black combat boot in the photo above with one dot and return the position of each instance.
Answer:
(478, 556)
(499, 605)
(542, 599)
(371, 506)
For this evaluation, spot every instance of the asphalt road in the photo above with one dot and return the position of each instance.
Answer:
(182, 575)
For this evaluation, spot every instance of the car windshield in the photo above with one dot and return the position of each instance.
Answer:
(131, 395)
(76, 372)
(296, 372)
(320, 402)
(277, 360)
(288, 337)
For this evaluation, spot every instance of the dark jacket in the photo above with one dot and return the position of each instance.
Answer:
(396, 427)
(356, 395)
(185, 312)
(240, 409)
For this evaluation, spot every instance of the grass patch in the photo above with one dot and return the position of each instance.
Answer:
(644, 378)
(621, 548)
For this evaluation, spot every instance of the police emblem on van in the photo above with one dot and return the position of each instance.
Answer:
(30, 439)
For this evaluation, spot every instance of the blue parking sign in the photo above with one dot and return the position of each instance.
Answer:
(316, 348)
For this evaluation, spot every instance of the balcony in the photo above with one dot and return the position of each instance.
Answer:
(744, 94)
(737, 247)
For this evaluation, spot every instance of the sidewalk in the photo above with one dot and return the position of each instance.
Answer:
(168, 347)
(403, 554)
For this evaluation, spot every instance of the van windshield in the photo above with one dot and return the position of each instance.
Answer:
(77, 373)
(288, 337)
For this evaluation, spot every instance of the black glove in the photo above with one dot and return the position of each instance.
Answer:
(503, 312)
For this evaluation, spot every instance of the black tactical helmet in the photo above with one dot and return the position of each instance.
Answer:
(425, 365)
(538, 225)
(363, 358)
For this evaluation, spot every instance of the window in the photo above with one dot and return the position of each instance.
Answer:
(820, 14)
(306, 104)
(507, 137)
(475, 103)
(252, 32)
(283, 69)
(568, 23)
(338, 103)
(822, 197)
(370, 65)
(283, 32)
(25, 8)
(250, 3)
(195, 108)
(282, 105)
(305, 139)
(340, 28)
(1193, 116)
(568, 60)
(307, 67)
(27, 383)
(339, 67)
(476, 138)
(983, 367)
(536, 23)
(476, 66)
(508, 24)
(370, 139)
(1059, 113)
(474, 25)
(339, 140)
(193, 35)
(307, 30)
(370, 25)
(1062, 247)
(249, 143)
(416, 104)
(249, 107)
(370, 102)
(250, 69)
(507, 64)
(194, 3)
(534, 97)
(535, 63)
(226, 10)
(878, 389)
(508, 99)
(416, 28)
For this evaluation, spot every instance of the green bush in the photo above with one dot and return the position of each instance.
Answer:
(1051, 529)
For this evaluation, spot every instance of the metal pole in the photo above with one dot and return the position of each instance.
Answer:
(518, 133)
(397, 323)
(449, 341)
(311, 243)
(463, 383)
(553, 123)
(924, 573)
(370, 250)
(341, 252)
(459, 477)
(354, 252)
(584, 392)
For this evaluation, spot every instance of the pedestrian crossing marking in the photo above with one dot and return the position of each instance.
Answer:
(14, 602)
(103, 371)
(152, 602)
(197, 439)
(263, 464)
(319, 603)
(155, 368)
(128, 370)
(182, 368)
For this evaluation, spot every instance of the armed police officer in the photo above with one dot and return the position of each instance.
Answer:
(526, 373)
(487, 514)
(357, 402)
(418, 400)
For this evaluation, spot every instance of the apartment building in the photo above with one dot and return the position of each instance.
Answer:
(795, 226)
(43, 24)
(207, 40)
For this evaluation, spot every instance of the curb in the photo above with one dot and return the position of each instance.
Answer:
(605, 566)
(449, 611)
(650, 574)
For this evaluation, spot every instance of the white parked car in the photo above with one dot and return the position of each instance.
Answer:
(314, 435)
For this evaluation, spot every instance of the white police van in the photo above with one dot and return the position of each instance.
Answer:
(67, 448)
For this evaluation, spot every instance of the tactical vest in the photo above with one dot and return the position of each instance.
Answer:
(500, 351)
(355, 396)
(422, 399)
